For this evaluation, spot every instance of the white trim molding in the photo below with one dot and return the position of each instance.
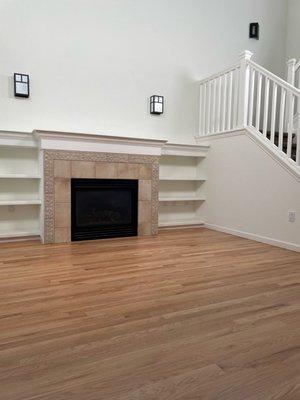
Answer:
(185, 150)
(92, 142)
(253, 236)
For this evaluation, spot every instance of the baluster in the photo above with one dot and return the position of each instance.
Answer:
(281, 118)
(229, 100)
(298, 101)
(224, 103)
(290, 124)
(235, 98)
(204, 108)
(297, 127)
(209, 107)
(266, 106)
(200, 109)
(214, 106)
(258, 101)
(219, 104)
(273, 116)
(251, 99)
(298, 145)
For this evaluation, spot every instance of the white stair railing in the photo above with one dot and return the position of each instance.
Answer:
(248, 95)
(219, 101)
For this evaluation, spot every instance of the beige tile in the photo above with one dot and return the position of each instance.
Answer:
(145, 171)
(62, 169)
(128, 171)
(144, 229)
(144, 211)
(83, 169)
(62, 215)
(106, 170)
(62, 235)
(145, 190)
(62, 190)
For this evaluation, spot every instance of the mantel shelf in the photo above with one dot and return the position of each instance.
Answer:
(181, 199)
(19, 176)
(19, 202)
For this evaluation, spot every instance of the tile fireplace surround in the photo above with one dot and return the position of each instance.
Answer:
(71, 155)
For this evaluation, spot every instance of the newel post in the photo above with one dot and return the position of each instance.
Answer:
(244, 78)
(291, 70)
(291, 64)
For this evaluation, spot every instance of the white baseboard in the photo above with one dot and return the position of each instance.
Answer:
(257, 238)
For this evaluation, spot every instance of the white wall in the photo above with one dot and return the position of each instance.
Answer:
(249, 192)
(94, 64)
(293, 30)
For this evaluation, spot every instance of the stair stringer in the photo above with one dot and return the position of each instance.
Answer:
(265, 144)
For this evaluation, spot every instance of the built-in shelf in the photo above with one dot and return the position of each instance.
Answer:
(185, 150)
(170, 224)
(19, 202)
(17, 140)
(18, 234)
(183, 179)
(19, 176)
(179, 199)
(182, 185)
(20, 186)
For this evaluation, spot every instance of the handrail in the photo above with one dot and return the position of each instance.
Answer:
(218, 74)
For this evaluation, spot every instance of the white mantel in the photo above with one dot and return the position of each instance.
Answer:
(92, 142)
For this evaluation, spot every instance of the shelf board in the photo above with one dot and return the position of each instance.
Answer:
(183, 179)
(184, 150)
(17, 139)
(189, 222)
(19, 176)
(19, 202)
(179, 199)
(18, 234)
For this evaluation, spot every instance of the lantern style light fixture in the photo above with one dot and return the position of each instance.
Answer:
(254, 30)
(21, 85)
(156, 104)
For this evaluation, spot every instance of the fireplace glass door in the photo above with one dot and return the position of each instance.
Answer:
(103, 208)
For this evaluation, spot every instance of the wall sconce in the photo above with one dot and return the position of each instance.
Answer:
(21, 85)
(254, 30)
(156, 104)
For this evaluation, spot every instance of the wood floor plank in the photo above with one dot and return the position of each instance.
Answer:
(186, 315)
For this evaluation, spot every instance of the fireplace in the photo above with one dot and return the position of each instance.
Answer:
(103, 208)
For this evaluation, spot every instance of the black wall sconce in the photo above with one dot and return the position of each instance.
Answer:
(21, 85)
(156, 104)
(254, 30)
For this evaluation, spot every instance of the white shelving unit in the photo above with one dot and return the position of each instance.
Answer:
(182, 185)
(19, 186)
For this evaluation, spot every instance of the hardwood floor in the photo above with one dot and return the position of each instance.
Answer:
(190, 314)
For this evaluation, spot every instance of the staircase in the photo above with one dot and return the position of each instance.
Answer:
(248, 96)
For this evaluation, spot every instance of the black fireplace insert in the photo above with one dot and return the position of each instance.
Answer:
(103, 208)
